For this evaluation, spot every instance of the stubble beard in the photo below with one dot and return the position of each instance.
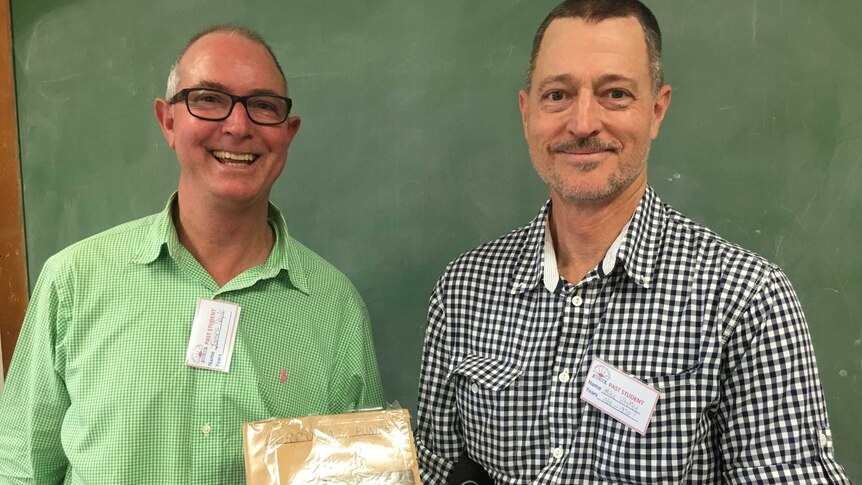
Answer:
(579, 192)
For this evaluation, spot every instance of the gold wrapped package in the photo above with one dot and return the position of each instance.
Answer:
(363, 448)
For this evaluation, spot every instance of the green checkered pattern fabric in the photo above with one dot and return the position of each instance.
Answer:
(98, 391)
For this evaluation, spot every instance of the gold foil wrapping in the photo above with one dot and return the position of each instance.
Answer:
(363, 448)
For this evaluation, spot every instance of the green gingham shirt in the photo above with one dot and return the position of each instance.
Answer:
(98, 391)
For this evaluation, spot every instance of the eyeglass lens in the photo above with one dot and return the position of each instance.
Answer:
(215, 105)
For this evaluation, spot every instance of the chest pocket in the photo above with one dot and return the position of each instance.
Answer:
(487, 373)
(678, 423)
(487, 394)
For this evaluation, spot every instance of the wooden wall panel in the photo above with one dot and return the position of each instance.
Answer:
(13, 265)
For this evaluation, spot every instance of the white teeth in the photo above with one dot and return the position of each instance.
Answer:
(242, 157)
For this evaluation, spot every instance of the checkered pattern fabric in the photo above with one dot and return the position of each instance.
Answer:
(716, 329)
(98, 391)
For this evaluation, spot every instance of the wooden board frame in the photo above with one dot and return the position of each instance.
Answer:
(13, 256)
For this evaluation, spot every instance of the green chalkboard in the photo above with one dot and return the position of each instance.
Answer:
(411, 149)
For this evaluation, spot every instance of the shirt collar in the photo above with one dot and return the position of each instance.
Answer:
(636, 247)
(641, 247)
(161, 236)
(528, 270)
(551, 274)
(161, 240)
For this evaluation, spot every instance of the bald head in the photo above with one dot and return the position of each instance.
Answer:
(231, 30)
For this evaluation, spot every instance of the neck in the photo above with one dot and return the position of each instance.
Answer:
(224, 242)
(583, 232)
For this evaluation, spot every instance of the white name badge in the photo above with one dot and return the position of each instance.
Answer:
(213, 334)
(619, 395)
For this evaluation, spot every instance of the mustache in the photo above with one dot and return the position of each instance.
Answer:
(590, 143)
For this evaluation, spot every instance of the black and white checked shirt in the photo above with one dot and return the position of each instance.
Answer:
(716, 329)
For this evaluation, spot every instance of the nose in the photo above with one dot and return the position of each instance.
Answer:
(237, 123)
(585, 116)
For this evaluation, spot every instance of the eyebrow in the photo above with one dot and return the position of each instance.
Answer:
(221, 87)
(614, 78)
(603, 79)
(557, 78)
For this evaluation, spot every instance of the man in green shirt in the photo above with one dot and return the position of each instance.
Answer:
(147, 346)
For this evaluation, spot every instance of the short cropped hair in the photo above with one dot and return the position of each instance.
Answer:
(173, 76)
(595, 11)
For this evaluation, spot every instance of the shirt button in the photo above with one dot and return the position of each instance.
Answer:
(564, 377)
(824, 440)
(558, 453)
(205, 429)
(577, 300)
(474, 388)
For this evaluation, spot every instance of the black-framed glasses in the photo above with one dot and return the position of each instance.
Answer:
(215, 105)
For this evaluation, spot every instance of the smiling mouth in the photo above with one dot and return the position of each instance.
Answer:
(233, 159)
(584, 152)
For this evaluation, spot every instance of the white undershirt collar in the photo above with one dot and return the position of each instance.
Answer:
(552, 273)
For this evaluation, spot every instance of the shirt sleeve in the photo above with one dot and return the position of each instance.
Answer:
(772, 414)
(356, 383)
(439, 439)
(34, 400)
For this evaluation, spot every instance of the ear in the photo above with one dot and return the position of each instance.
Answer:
(523, 98)
(165, 114)
(662, 102)
(292, 126)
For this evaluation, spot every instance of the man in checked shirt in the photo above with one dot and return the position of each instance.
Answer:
(607, 271)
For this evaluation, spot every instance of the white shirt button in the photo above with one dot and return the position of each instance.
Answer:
(564, 377)
(824, 440)
(577, 300)
(205, 429)
(474, 388)
(558, 453)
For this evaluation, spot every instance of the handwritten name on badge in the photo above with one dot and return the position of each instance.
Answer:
(213, 335)
(619, 395)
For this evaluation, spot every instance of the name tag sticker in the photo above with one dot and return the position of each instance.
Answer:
(619, 395)
(213, 334)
